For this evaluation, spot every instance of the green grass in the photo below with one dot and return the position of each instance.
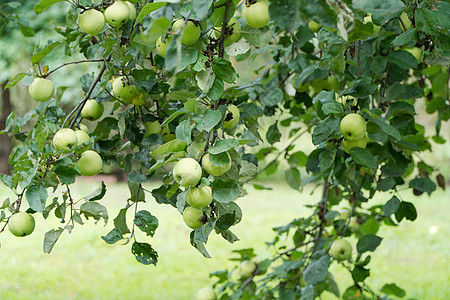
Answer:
(82, 266)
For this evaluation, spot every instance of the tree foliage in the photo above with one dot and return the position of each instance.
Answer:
(322, 60)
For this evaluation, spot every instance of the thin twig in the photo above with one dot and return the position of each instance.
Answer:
(224, 27)
(71, 63)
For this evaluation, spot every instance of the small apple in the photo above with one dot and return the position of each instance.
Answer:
(91, 21)
(199, 197)
(117, 13)
(206, 293)
(314, 26)
(416, 52)
(341, 250)
(90, 163)
(193, 217)
(232, 116)
(65, 139)
(187, 172)
(353, 127)
(406, 21)
(41, 89)
(82, 137)
(333, 83)
(347, 145)
(132, 10)
(214, 170)
(190, 32)
(161, 47)
(92, 110)
(83, 127)
(246, 268)
(152, 128)
(232, 34)
(123, 90)
(21, 224)
(256, 15)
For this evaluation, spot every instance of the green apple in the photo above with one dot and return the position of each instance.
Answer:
(347, 145)
(406, 21)
(92, 110)
(416, 52)
(82, 137)
(314, 26)
(246, 268)
(199, 197)
(214, 170)
(123, 90)
(190, 32)
(117, 13)
(65, 139)
(257, 14)
(206, 293)
(341, 250)
(83, 127)
(328, 84)
(152, 128)
(368, 19)
(232, 116)
(187, 172)
(21, 224)
(161, 47)
(353, 127)
(41, 89)
(232, 34)
(132, 10)
(333, 83)
(193, 217)
(90, 163)
(91, 21)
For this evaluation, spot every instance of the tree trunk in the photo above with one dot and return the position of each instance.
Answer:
(5, 142)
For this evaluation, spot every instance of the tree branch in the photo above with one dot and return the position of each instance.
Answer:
(355, 198)
(224, 27)
(71, 63)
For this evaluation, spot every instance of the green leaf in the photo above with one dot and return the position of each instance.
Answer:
(120, 222)
(201, 8)
(97, 194)
(147, 9)
(325, 129)
(273, 135)
(94, 210)
(225, 221)
(113, 236)
(210, 119)
(307, 293)
(368, 242)
(426, 21)
(37, 196)
(257, 37)
(224, 70)
(361, 87)
(317, 270)
(388, 129)
(271, 96)
(284, 13)
(225, 191)
(13, 81)
(223, 145)
(170, 147)
(391, 206)
(146, 222)
(393, 289)
(35, 59)
(407, 211)
(144, 253)
(50, 239)
(403, 59)
(363, 157)
(405, 37)
(359, 273)
(382, 11)
(66, 174)
(292, 176)
(44, 4)
(423, 184)
(219, 160)
(183, 131)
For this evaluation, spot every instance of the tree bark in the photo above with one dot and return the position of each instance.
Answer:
(5, 141)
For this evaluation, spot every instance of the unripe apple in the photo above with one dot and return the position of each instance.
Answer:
(91, 21)
(199, 197)
(123, 90)
(21, 224)
(65, 139)
(416, 52)
(92, 110)
(353, 127)
(152, 128)
(341, 250)
(257, 14)
(117, 14)
(90, 163)
(190, 32)
(41, 89)
(82, 137)
(206, 293)
(347, 145)
(214, 170)
(233, 33)
(246, 268)
(83, 127)
(161, 47)
(233, 120)
(132, 10)
(187, 172)
(193, 217)
(314, 26)
(406, 21)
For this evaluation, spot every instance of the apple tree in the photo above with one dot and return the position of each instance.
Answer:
(169, 101)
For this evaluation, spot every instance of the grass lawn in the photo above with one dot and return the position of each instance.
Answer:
(82, 266)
